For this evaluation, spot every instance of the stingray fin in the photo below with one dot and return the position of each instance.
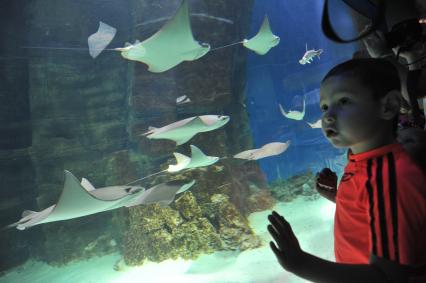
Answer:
(75, 201)
(195, 125)
(25, 213)
(181, 162)
(196, 152)
(199, 159)
(197, 122)
(181, 159)
(87, 185)
(127, 44)
(185, 187)
(282, 110)
(184, 139)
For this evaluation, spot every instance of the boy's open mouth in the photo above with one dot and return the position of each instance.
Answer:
(330, 133)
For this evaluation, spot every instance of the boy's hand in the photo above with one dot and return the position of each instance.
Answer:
(326, 184)
(288, 252)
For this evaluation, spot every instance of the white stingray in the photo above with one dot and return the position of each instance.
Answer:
(163, 194)
(293, 114)
(100, 40)
(171, 45)
(183, 130)
(270, 149)
(264, 40)
(316, 125)
(197, 159)
(80, 199)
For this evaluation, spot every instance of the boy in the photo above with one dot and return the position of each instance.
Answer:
(380, 220)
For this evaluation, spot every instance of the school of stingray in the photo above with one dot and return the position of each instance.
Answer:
(81, 198)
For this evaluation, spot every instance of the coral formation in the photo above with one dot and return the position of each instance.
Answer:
(299, 185)
(260, 200)
(157, 233)
(232, 227)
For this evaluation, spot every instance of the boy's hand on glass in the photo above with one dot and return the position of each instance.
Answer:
(287, 248)
(326, 184)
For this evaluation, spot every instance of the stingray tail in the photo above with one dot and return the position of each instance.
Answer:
(54, 48)
(13, 225)
(67, 48)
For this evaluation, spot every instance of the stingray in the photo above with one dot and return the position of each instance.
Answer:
(80, 199)
(100, 40)
(163, 194)
(197, 159)
(316, 125)
(171, 45)
(264, 40)
(292, 114)
(183, 130)
(270, 149)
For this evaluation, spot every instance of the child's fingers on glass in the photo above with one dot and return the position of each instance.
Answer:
(275, 249)
(282, 227)
(276, 222)
(279, 238)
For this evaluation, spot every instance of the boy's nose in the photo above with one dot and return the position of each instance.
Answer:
(328, 119)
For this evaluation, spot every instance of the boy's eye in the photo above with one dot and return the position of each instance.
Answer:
(323, 107)
(343, 101)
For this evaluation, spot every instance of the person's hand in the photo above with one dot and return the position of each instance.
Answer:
(326, 184)
(289, 254)
(375, 43)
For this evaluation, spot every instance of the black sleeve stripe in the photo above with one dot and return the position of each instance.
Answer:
(382, 210)
(371, 200)
(393, 202)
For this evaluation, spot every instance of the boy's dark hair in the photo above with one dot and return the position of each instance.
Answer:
(378, 75)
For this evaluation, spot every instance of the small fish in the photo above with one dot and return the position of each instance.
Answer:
(316, 125)
(309, 55)
(182, 100)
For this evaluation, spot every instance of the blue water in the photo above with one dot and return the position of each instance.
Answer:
(278, 78)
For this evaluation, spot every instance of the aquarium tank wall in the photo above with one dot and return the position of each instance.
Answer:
(148, 140)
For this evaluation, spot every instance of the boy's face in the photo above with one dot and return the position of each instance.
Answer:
(350, 115)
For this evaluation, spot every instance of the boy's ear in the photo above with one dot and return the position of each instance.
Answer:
(390, 104)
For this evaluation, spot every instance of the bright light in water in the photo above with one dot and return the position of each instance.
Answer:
(327, 210)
